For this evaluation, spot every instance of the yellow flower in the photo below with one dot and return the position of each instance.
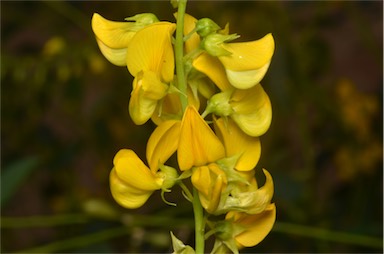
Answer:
(131, 182)
(210, 181)
(250, 108)
(113, 37)
(150, 60)
(198, 144)
(151, 50)
(236, 142)
(247, 197)
(147, 91)
(247, 62)
(249, 230)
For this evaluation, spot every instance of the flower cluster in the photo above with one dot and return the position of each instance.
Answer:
(218, 148)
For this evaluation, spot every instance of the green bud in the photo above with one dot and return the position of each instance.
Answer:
(219, 104)
(169, 175)
(143, 19)
(206, 26)
(212, 43)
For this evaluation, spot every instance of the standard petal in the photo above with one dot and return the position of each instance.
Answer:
(252, 110)
(198, 144)
(213, 68)
(126, 195)
(247, 56)
(113, 34)
(151, 49)
(236, 142)
(163, 143)
(131, 170)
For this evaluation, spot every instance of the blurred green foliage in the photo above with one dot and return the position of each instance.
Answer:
(64, 115)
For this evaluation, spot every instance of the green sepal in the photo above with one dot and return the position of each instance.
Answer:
(179, 247)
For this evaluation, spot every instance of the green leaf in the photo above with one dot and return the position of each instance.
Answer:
(14, 175)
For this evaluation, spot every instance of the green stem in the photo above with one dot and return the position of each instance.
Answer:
(179, 53)
(199, 223)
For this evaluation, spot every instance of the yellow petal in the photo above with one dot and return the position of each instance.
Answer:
(209, 181)
(113, 34)
(246, 79)
(147, 90)
(247, 56)
(258, 200)
(236, 142)
(198, 144)
(212, 67)
(151, 49)
(201, 179)
(253, 110)
(162, 143)
(131, 170)
(115, 56)
(257, 226)
(126, 195)
(169, 108)
(193, 41)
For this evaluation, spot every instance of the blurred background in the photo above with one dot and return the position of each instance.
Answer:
(64, 115)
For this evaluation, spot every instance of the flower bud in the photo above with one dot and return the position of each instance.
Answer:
(143, 19)
(206, 26)
(212, 43)
(219, 104)
(169, 175)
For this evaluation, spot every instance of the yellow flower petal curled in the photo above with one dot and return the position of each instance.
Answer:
(131, 181)
(126, 195)
(252, 110)
(236, 142)
(213, 68)
(209, 180)
(113, 37)
(257, 200)
(147, 90)
(248, 61)
(163, 143)
(115, 56)
(244, 196)
(198, 144)
(151, 49)
(253, 228)
(246, 79)
(118, 34)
